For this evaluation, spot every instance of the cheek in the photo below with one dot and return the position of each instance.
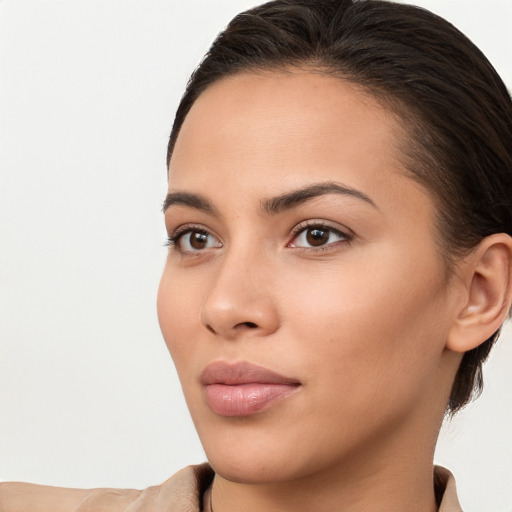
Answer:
(177, 307)
(369, 328)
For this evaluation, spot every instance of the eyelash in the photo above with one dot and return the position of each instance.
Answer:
(173, 240)
(322, 226)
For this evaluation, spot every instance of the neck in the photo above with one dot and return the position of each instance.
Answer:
(397, 486)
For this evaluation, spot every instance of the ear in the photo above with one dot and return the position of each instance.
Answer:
(486, 276)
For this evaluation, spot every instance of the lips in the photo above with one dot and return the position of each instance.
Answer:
(243, 389)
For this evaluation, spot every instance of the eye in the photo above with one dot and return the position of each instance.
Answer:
(317, 236)
(190, 240)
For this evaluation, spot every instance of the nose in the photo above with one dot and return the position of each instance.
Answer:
(241, 301)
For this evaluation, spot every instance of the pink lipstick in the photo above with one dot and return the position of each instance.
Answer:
(242, 389)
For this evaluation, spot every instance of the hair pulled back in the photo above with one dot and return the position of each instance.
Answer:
(454, 107)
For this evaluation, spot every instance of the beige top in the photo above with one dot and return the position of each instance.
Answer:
(183, 492)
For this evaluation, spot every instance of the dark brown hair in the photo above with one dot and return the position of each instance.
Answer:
(454, 107)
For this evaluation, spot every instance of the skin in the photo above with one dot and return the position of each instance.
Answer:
(368, 321)
(362, 322)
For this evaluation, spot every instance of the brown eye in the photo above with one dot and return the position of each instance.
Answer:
(198, 240)
(318, 236)
(195, 240)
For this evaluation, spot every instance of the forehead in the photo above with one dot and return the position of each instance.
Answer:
(280, 113)
(273, 131)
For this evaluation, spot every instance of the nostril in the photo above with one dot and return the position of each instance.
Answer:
(242, 325)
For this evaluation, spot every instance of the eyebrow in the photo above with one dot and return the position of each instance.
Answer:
(191, 200)
(292, 199)
(273, 205)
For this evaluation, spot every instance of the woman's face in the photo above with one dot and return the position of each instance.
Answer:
(304, 300)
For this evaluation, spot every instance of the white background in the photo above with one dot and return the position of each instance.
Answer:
(88, 394)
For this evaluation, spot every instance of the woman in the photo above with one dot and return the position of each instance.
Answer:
(339, 217)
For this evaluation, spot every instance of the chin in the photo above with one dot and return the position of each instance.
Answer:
(250, 452)
(258, 453)
(264, 469)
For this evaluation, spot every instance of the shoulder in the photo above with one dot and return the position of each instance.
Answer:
(23, 497)
(182, 491)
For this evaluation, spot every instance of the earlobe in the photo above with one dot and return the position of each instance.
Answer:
(487, 277)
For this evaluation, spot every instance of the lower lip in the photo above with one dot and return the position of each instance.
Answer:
(245, 399)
